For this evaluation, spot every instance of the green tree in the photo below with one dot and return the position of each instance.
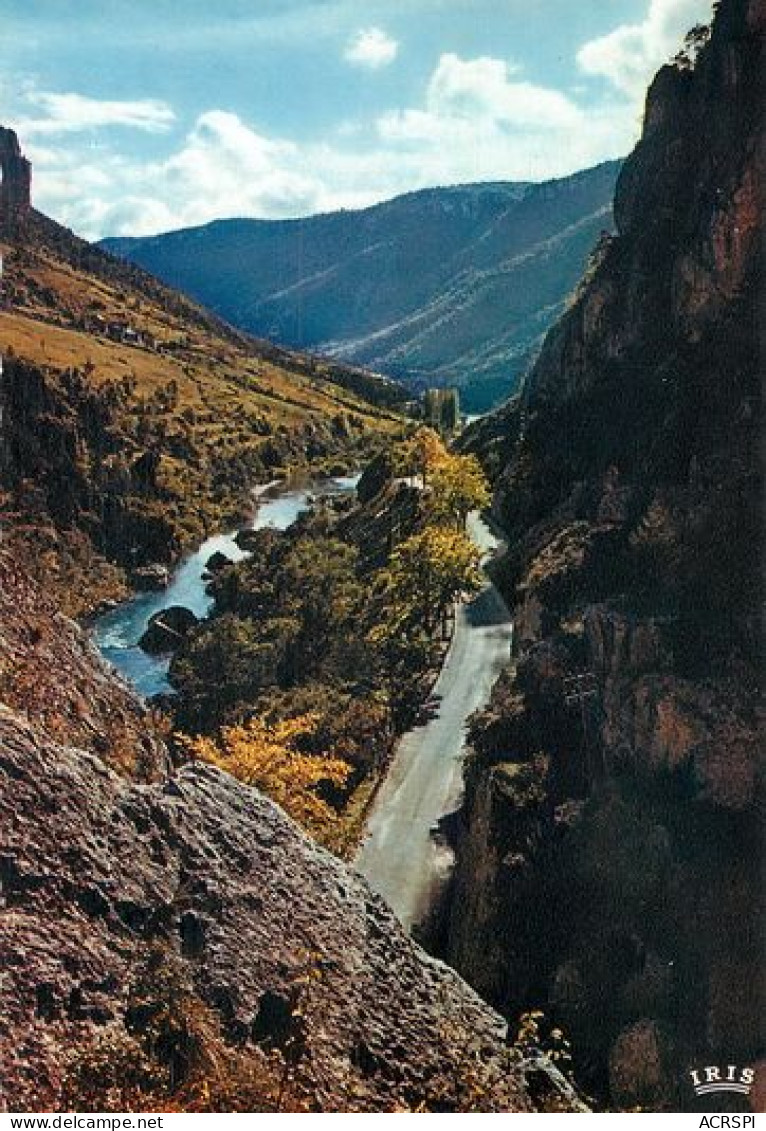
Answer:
(223, 666)
(310, 581)
(319, 589)
(250, 588)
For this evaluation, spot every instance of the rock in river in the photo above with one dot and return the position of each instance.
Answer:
(167, 629)
(216, 562)
(151, 577)
(247, 538)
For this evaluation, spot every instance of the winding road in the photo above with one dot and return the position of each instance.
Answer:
(399, 856)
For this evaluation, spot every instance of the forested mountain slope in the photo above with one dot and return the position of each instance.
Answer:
(447, 286)
(133, 420)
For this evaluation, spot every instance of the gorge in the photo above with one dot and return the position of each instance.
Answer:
(566, 811)
(160, 921)
(451, 286)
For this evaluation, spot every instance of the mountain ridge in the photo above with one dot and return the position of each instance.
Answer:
(442, 286)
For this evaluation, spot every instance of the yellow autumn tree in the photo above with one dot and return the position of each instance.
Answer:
(427, 572)
(420, 454)
(270, 756)
(457, 486)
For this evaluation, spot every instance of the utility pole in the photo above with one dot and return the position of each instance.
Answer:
(579, 690)
(394, 531)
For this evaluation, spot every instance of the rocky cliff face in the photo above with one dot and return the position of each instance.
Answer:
(179, 942)
(51, 676)
(612, 798)
(15, 181)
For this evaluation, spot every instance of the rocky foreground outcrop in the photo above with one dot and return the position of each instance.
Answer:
(94, 869)
(274, 943)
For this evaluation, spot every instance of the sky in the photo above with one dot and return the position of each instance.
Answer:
(143, 116)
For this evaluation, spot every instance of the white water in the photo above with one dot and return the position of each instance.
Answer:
(118, 631)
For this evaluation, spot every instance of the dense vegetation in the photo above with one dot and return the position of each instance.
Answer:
(316, 651)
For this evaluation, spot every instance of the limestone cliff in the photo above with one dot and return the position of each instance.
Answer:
(612, 796)
(181, 943)
(15, 181)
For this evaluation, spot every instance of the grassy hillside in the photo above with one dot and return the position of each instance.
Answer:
(133, 421)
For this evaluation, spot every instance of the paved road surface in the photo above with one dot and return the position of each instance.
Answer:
(399, 857)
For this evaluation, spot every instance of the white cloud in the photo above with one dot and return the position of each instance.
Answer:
(629, 55)
(225, 168)
(481, 93)
(221, 168)
(476, 123)
(70, 113)
(479, 119)
(371, 48)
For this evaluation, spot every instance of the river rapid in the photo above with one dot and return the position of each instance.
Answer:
(116, 633)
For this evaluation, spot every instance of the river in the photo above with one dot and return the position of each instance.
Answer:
(118, 631)
(403, 856)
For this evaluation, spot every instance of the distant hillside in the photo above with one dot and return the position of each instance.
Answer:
(444, 286)
(133, 422)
